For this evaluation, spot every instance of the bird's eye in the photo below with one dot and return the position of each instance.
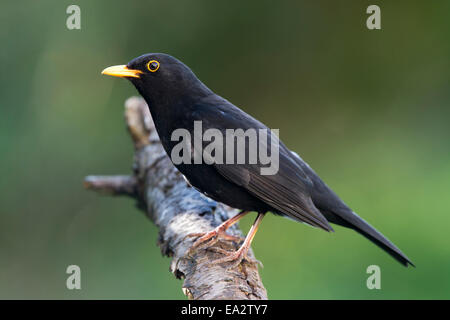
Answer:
(153, 65)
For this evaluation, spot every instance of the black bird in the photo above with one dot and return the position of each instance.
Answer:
(177, 98)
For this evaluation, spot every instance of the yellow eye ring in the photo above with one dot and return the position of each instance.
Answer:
(153, 66)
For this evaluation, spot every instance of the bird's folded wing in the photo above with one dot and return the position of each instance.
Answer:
(286, 191)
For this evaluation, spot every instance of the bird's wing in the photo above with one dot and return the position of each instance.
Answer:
(286, 191)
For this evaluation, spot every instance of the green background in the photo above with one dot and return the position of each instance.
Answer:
(368, 110)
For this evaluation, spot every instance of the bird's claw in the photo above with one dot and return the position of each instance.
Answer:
(207, 239)
(234, 257)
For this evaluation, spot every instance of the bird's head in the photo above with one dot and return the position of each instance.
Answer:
(160, 77)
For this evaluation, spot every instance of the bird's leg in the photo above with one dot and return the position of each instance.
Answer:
(210, 238)
(237, 256)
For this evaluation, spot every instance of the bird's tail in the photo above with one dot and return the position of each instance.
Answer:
(352, 220)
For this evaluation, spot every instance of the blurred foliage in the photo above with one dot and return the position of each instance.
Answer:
(369, 110)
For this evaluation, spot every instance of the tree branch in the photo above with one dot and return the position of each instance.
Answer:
(112, 185)
(178, 210)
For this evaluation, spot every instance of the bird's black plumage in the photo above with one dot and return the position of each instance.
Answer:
(177, 98)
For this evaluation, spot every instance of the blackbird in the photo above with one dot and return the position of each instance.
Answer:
(177, 99)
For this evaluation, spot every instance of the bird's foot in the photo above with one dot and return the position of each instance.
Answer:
(207, 239)
(234, 258)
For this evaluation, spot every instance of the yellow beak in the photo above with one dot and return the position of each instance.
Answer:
(122, 71)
